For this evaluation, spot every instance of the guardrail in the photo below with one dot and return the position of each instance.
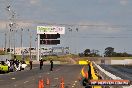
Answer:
(107, 75)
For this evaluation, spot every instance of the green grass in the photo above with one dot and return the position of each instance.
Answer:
(60, 58)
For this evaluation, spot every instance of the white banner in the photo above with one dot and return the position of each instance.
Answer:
(50, 30)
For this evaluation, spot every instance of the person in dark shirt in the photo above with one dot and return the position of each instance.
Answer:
(30, 64)
(41, 64)
(51, 67)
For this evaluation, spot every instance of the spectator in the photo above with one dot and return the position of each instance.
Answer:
(41, 64)
(51, 67)
(30, 64)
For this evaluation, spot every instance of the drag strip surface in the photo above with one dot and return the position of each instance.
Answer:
(30, 78)
(122, 71)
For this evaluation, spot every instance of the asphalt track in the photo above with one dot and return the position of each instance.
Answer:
(30, 78)
(122, 71)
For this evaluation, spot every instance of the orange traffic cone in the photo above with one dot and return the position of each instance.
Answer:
(39, 85)
(62, 83)
(48, 81)
(42, 83)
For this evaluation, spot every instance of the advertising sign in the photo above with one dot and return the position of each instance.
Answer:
(50, 30)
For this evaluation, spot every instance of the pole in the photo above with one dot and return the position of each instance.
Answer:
(14, 42)
(21, 44)
(30, 44)
(38, 41)
(9, 39)
(5, 43)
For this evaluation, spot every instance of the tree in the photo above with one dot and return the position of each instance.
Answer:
(87, 52)
(94, 53)
(109, 51)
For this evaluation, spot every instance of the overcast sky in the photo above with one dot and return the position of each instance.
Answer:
(111, 22)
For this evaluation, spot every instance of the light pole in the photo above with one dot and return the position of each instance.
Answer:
(5, 43)
(21, 44)
(12, 25)
(14, 41)
(30, 37)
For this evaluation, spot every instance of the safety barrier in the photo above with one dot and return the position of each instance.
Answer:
(108, 75)
(94, 76)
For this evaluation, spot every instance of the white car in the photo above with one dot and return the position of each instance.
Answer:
(23, 65)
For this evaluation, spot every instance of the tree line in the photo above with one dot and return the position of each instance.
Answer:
(109, 52)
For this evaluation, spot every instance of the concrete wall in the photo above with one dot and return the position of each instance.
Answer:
(121, 62)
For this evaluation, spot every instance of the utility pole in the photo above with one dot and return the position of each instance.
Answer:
(5, 43)
(30, 42)
(14, 43)
(12, 25)
(9, 40)
(38, 45)
(21, 44)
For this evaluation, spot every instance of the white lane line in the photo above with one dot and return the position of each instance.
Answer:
(57, 69)
(74, 84)
(56, 78)
(26, 81)
(48, 73)
(75, 81)
(13, 78)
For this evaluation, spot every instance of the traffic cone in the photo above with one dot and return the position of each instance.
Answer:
(62, 83)
(42, 83)
(48, 81)
(39, 85)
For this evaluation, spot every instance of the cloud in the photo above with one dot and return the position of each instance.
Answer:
(34, 2)
(100, 26)
(124, 2)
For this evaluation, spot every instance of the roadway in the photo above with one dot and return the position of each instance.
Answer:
(30, 78)
(122, 71)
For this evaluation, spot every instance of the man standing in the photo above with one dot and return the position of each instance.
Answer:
(51, 67)
(30, 64)
(41, 64)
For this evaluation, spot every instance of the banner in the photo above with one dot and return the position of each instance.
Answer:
(50, 30)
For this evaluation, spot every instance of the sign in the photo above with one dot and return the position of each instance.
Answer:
(49, 36)
(50, 42)
(50, 30)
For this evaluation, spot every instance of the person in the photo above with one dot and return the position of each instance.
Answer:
(8, 62)
(51, 67)
(41, 64)
(30, 64)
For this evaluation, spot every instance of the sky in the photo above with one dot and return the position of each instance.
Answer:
(101, 23)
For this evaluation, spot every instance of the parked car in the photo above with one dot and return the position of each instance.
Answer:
(3, 67)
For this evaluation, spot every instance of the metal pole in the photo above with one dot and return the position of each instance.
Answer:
(9, 39)
(14, 42)
(5, 43)
(30, 44)
(38, 41)
(21, 44)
